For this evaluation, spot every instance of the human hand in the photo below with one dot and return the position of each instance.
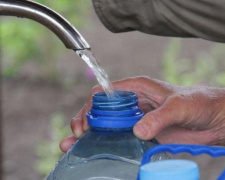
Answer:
(173, 114)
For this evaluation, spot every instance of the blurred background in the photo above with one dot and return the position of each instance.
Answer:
(45, 85)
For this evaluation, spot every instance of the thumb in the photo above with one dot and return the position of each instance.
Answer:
(154, 122)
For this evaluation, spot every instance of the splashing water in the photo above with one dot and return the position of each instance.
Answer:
(98, 71)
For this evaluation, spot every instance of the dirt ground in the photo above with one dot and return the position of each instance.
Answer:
(28, 104)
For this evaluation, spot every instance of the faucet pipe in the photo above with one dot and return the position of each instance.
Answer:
(68, 34)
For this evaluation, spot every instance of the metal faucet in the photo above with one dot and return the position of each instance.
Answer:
(49, 18)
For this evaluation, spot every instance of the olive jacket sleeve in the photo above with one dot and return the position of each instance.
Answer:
(177, 18)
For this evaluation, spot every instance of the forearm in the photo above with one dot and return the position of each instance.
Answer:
(179, 18)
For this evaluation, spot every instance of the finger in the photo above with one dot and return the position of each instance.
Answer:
(66, 144)
(76, 124)
(84, 118)
(146, 88)
(155, 121)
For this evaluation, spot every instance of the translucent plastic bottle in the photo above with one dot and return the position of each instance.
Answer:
(109, 150)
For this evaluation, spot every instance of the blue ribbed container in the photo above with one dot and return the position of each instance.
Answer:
(109, 150)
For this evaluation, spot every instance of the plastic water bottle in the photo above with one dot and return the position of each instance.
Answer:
(109, 150)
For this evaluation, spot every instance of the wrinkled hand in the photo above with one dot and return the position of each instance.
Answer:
(173, 114)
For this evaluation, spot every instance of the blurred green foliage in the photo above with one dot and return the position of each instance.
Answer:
(206, 69)
(25, 40)
(48, 151)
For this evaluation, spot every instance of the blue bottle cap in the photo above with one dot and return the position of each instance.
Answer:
(170, 170)
(119, 112)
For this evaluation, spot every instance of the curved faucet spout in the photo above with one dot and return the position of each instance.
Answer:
(49, 18)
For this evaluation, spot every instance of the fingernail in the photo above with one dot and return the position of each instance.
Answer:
(86, 128)
(141, 129)
(78, 133)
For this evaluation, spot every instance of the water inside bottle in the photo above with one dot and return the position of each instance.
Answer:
(98, 71)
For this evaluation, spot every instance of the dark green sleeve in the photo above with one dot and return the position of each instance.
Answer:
(178, 18)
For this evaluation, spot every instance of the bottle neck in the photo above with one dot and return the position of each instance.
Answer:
(114, 114)
(112, 130)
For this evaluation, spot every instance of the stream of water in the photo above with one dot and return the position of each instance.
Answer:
(98, 71)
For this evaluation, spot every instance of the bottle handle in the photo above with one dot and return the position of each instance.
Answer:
(191, 149)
